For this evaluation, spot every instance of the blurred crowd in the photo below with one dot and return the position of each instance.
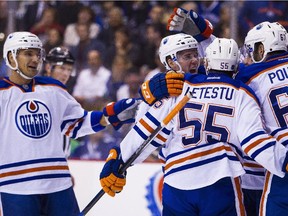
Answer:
(115, 45)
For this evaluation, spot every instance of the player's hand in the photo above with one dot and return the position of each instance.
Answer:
(110, 179)
(190, 23)
(121, 112)
(162, 85)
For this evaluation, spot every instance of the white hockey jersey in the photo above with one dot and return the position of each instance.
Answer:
(33, 120)
(222, 117)
(269, 80)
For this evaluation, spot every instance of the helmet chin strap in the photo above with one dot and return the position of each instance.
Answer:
(23, 75)
(261, 60)
(180, 68)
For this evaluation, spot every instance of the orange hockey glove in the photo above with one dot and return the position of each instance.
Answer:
(110, 179)
(161, 85)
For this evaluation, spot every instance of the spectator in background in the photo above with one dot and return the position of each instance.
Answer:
(222, 29)
(155, 14)
(120, 66)
(91, 84)
(95, 146)
(3, 67)
(210, 10)
(152, 38)
(130, 88)
(160, 68)
(48, 21)
(168, 7)
(85, 44)
(123, 46)
(85, 16)
(80, 52)
(54, 39)
(3, 24)
(68, 10)
(155, 17)
(254, 12)
(105, 7)
(33, 13)
(115, 19)
(189, 6)
(3, 16)
(136, 14)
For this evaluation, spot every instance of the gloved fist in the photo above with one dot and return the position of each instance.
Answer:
(190, 23)
(121, 112)
(110, 179)
(161, 85)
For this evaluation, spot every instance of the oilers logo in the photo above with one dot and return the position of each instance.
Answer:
(154, 194)
(33, 119)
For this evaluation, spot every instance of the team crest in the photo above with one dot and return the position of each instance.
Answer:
(154, 194)
(33, 119)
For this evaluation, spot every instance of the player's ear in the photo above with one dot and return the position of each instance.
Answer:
(11, 60)
(261, 49)
(172, 64)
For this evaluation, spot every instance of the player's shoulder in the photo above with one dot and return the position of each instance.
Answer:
(247, 73)
(4, 84)
(44, 80)
(247, 91)
(194, 78)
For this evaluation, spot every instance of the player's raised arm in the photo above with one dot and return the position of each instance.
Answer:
(190, 23)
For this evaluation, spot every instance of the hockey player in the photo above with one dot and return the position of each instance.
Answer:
(35, 113)
(201, 170)
(201, 30)
(60, 65)
(266, 44)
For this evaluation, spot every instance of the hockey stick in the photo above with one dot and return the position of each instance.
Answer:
(141, 148)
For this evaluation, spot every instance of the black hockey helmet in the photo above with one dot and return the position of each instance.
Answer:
(60, 56)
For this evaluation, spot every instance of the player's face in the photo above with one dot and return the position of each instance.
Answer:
(62, 72)
(30, 61)
(188, 60)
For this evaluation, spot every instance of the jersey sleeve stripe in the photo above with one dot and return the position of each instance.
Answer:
(152, 118)
(146, 126)
(252, 136)
(155, 144)
(259, 150)
(76, 129)
(282, 136)
(254, 165)
(161, 138)
(256, 143)
(260, 173)
(140, 132)
(71, 127)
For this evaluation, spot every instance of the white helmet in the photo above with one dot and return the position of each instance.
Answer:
(223, 55)
(172, 44)
(273, 36)
(20, 40)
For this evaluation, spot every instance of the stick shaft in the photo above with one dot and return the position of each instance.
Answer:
(141, 148)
